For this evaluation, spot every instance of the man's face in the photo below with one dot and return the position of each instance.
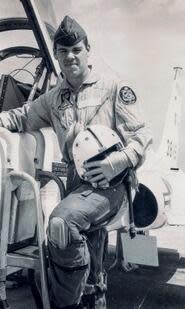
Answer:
(73, 60)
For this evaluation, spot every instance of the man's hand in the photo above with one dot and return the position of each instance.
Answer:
(101, 172)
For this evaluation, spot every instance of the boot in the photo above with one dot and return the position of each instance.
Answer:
(4, 304)
(100, 301)
(94, 301)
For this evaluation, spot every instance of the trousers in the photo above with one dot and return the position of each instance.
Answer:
(83, 208)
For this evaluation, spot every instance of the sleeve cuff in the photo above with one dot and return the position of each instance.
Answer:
(132, 156)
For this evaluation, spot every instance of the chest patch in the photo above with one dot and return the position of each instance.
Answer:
(127, 95)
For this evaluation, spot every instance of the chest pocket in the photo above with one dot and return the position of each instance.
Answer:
(91, 102)
(89, 108)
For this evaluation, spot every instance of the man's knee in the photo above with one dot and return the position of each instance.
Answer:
(58, 232)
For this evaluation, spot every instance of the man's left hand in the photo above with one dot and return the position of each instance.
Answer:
(101, 172)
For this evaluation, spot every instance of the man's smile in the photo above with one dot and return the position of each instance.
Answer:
(70, 64)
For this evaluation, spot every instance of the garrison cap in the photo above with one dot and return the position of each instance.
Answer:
(69, 32)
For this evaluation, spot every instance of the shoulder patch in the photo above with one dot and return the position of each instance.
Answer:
(127, 95)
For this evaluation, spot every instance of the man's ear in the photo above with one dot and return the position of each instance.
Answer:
(88, 47)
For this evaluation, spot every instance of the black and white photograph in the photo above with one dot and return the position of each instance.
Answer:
(92, 148)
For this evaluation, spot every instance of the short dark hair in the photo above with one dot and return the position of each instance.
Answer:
(84, 40)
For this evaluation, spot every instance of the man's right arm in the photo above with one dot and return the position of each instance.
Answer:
(31, 116)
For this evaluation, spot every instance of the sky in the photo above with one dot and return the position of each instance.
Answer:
(141, 40)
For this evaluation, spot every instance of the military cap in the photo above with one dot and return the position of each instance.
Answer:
(69, 32)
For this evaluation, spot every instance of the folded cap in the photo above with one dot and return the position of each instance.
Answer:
(69, 32)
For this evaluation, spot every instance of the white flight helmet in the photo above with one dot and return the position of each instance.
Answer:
(94, 143)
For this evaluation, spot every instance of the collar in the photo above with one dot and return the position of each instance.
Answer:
(92, 78)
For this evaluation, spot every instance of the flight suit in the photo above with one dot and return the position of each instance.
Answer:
(100, 100)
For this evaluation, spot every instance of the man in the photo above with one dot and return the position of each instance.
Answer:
(83, 98)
